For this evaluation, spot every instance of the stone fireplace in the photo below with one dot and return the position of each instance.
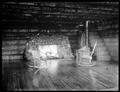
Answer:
(43, 49)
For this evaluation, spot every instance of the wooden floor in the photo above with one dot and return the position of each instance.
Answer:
(63, 75)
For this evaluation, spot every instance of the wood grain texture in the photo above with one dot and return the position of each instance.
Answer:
(67, 76)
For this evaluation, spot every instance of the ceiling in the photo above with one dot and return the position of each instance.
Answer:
(55, 15)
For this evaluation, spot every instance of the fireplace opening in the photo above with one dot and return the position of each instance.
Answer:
(48, 51)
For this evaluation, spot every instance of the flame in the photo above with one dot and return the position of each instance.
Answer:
(50, 50)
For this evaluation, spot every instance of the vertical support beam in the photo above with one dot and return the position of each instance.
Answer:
(87, 22)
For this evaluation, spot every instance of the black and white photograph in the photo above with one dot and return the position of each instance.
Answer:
(60, 46)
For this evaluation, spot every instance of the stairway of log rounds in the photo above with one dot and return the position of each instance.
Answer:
(112, 45)
(101, 52)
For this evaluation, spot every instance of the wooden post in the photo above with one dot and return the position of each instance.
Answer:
(87, 33)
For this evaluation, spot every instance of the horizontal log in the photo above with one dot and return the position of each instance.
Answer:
(71, 37)
(18, 34)
(109, 35)
(21, 43)
(12, 36)
(68, 34)
(111, 41)
(61, 9)
(14, 42)
(21, 30)
(74, 37)
(107, 5)
(114, 39)
(111, 46)
(16, 38)
(108, 25)
(17, 57)
(27, 24)
(12, 57)
(73, 41)
(108, 31)
(12, 52)
(13, 47)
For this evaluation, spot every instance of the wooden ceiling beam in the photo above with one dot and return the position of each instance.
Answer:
(55, 15)
(61, 13)
(62, 9)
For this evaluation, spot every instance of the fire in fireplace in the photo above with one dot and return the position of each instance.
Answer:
(48, 51)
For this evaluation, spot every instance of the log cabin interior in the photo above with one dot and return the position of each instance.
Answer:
(60, 45)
